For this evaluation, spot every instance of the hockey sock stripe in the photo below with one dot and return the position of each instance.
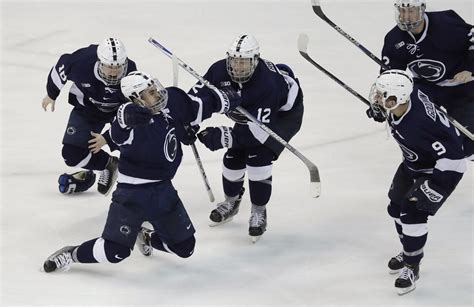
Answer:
(99, 251)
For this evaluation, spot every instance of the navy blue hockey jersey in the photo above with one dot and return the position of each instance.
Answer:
(153, 152)
(263, 96)
(435, 56)
(430, 144)
(88, 90)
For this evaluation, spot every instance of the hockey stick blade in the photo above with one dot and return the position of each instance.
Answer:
(303, 41)
(313, 170)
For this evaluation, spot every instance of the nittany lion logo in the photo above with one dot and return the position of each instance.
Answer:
(170, 147)
(408, 154)
(430, 70)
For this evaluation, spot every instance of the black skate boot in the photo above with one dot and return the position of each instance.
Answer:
(396, 264)
(257, 222)
(78, 182)
(60, 260)
(143, 242)
(108, 177)
(226, 210)
(405, 282)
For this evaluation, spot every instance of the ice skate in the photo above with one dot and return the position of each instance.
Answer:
(405, 282)
(60, 260)
(226, 210)
(396, 264)
(108, 176)
(257, 223)
(143, 242)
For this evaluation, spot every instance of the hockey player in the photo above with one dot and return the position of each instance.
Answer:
(270, 93)
(433, 165)
(95, 72)
(149, 132)
(438, 48)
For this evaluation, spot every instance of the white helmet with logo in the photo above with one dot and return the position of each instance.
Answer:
(112, 58)
(242, 58)
(395, 84)
(409, 14)
(144, 90)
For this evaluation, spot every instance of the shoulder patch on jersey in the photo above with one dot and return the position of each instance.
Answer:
(270, 65)
(399, 45)
(429, 106)
(225, 83)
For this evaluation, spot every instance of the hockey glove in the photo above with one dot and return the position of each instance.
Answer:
(189, 136)
(228, 99)
(428, 196)
(132, 115)
(216, 138)
(376, 113)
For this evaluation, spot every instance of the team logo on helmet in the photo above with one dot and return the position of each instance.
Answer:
(170, 147)
(430, 70)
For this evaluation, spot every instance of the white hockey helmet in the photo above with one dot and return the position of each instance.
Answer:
(112, 58)
(242, 58)
(409, 14)
(392, 88)
(144, 90)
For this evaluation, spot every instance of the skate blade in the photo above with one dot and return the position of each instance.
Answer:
(214, 224)
(406, 290)
(394, 271)
(255, 239)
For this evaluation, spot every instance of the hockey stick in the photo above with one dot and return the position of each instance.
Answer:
(318, 11)
(193, 146)
(313, 170)
(303, 41)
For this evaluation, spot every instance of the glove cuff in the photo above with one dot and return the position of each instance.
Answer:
(121, 115)
(224, 100)
(226, 137)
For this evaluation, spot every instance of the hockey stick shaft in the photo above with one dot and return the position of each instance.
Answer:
(313, 170)
(318, 11)
(303, 47)
(303, 41)
(193, 146)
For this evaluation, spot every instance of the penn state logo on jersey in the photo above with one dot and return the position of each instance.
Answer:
(170, 147)
(409, 154)
(427, 69)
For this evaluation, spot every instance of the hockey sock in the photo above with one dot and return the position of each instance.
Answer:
(260, 191)
(100, 250)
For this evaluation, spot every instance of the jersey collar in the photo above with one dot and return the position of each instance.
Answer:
(425, 31)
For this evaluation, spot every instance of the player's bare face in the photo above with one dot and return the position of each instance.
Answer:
(390, 102)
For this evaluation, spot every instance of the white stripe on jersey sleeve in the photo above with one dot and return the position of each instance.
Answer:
(198, 119)
(446, 164)
(56, 79)
(292, 93)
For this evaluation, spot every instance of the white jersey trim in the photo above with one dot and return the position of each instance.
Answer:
(198, 118)
(121, 178)
(292, 93)
(78, 93)
(258, 132)
(56, 79)
(446, 164)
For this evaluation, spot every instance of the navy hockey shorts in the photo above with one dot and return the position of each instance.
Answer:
(79, 127)
(401, 184)
(157, 203)
(239, 158)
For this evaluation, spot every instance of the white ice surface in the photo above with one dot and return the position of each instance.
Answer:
(327, 251)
